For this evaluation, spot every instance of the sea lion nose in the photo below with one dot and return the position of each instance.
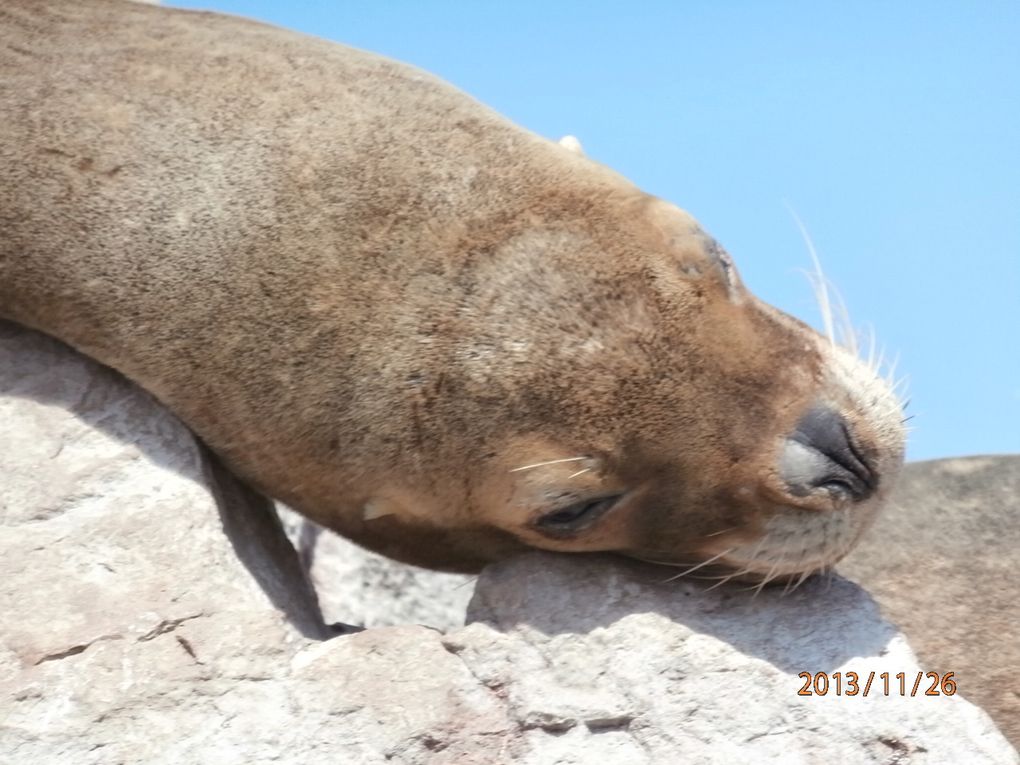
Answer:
(820, 454)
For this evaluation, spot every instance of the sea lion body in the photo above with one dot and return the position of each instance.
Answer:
(380, 302)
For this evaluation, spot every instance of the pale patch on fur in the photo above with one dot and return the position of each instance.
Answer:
(571, 144)
(374, 509)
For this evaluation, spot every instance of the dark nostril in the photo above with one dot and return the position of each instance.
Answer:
(820, 454)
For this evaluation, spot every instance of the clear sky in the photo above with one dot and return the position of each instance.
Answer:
(891, 128)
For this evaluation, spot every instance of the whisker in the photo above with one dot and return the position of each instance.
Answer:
(794, 583)
(803, 578)
(830, 576)
(579, 472)
(819, 281)
(699, 577)
(882, 367)
(901, 388)
(699, 565)
(661, 562)
(830, 304)
(549, 462)
(725, 579)
(768, 578)
(757, 549)
(873, 363)
(786, 587)
(717, 533)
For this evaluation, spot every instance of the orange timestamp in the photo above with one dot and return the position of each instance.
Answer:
(877, 683)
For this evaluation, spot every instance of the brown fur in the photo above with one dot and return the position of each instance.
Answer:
(376, 298)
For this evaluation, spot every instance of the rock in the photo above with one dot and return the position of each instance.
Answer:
(359, 587)
(154, 612)
(943, 562)
(130, 561)
(599, 653)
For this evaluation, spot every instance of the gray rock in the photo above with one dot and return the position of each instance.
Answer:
(944, 564)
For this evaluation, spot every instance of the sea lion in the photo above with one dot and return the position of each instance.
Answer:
(441, 335)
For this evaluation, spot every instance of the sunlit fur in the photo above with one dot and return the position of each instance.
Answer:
(387, 306)
(807, 542)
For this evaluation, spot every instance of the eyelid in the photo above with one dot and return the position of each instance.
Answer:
(722, 260)
(599, 506)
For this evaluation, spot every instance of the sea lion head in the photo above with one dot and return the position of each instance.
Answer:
(621, 390)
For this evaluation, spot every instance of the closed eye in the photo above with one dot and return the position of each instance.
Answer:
(567, 521)
(722, 261)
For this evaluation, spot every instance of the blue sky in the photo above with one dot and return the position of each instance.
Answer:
(892, 129)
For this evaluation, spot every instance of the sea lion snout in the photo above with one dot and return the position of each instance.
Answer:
(820, 455)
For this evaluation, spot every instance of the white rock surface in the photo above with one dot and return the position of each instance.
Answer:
(635, 671)
(153, 613)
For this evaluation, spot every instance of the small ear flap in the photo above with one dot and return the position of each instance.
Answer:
(571, 144)
(377, 508)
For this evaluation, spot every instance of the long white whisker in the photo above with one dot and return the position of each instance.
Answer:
(768, 578)
(821, 286)
(579, 472)
(786, 587)
(725, 579)
(848, 334)
(874, 363)
(830, 575)
(792, 584)
(803, 578)
(549, 462)
(699, 565)
(891, 368)
(757, 549)
(723, 531)
(671, 564)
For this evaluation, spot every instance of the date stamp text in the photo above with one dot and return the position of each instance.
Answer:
(877, 684)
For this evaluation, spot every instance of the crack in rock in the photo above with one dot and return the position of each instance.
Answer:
(165, 626)
(74, 650)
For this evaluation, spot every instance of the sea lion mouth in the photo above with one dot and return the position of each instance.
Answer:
(788, 547)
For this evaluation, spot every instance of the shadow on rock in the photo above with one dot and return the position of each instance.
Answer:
(818, 627)
(48, 372)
